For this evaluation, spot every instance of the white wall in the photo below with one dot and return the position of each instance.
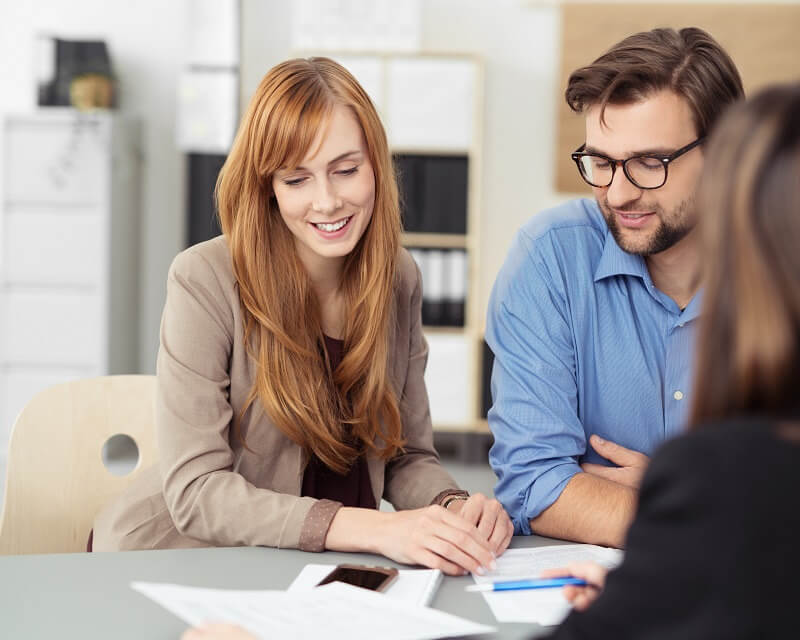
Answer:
(518, 41)
(145, 40)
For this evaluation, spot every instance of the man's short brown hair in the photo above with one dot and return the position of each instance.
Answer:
(689, 62)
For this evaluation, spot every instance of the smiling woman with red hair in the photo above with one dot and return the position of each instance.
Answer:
(291, 397)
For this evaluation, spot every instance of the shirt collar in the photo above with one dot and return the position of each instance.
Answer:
(692, 310)
(616, 262)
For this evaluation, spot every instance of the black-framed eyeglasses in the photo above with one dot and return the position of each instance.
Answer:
(645, 171)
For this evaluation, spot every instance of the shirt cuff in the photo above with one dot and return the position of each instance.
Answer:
(443, 495)
(316, 524)
(545, 490)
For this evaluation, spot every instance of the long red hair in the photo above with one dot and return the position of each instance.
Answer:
(294, 384)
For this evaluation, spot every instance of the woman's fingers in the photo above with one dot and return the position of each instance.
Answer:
(490, 519)
(437, 538)
(472, 509)
(584, 599)
(502, 535)
(453, 538)
(452, 553)
(490, 514)
(502, 531)
(558, 572)
(465, 537)
(429, 559)
(581, 597)
(593, 573)
(217, 632)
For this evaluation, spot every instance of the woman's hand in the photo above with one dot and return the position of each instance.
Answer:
(435, 538)
(217, 632)
(489, 517)
(591, 572)
(430, 536)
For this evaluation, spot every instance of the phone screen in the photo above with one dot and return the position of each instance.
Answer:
(372, 578)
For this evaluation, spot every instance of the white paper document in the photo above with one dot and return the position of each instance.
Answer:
(414, 586)
(543, 606)
(337, 611)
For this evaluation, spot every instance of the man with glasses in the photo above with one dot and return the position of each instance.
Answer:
(591, 317)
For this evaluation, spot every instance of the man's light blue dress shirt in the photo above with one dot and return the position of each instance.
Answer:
(584, 344)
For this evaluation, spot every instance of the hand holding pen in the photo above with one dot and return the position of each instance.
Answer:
(582, 583)
(592, 574)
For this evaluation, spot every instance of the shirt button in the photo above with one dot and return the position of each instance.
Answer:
(678, 395)
(680, 324)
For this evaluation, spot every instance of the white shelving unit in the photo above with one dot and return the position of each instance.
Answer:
(69, 246)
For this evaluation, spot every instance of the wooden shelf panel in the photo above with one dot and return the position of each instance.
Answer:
(465, 428)
(436, 240)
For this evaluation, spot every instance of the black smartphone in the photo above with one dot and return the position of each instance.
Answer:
(374, 578)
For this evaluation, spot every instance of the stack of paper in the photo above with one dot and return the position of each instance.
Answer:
(543, 606)
(336, 610)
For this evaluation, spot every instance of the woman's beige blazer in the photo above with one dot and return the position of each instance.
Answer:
(207, 489)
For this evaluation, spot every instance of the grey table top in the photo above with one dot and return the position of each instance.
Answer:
(87, 595)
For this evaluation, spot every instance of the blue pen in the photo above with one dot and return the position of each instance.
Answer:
(539, 583)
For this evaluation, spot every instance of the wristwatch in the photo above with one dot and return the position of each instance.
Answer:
(452, 498)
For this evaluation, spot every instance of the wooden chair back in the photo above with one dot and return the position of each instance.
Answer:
(56, 480)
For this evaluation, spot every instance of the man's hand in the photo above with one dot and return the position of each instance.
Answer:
(631, 464)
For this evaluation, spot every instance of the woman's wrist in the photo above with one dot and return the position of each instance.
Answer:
(355, 529)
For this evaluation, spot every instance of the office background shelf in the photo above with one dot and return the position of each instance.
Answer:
(69, 252)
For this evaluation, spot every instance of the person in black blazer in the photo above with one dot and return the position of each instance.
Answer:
(714, 550)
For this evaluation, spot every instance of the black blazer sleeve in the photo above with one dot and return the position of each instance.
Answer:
(710, 553)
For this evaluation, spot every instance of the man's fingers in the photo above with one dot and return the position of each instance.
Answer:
(617, 454)
(600, 470)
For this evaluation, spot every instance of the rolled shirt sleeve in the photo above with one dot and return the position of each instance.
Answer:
(538, 436)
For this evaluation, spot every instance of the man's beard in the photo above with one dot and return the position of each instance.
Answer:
(671, 229)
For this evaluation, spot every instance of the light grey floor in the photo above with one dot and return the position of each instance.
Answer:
(472, 477)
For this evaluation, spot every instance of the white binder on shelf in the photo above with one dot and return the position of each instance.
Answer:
(450, 379)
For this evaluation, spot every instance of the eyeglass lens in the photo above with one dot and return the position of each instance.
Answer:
(644, 171)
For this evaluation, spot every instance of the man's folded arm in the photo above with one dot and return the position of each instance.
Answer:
(538, 435)
(589, 509)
